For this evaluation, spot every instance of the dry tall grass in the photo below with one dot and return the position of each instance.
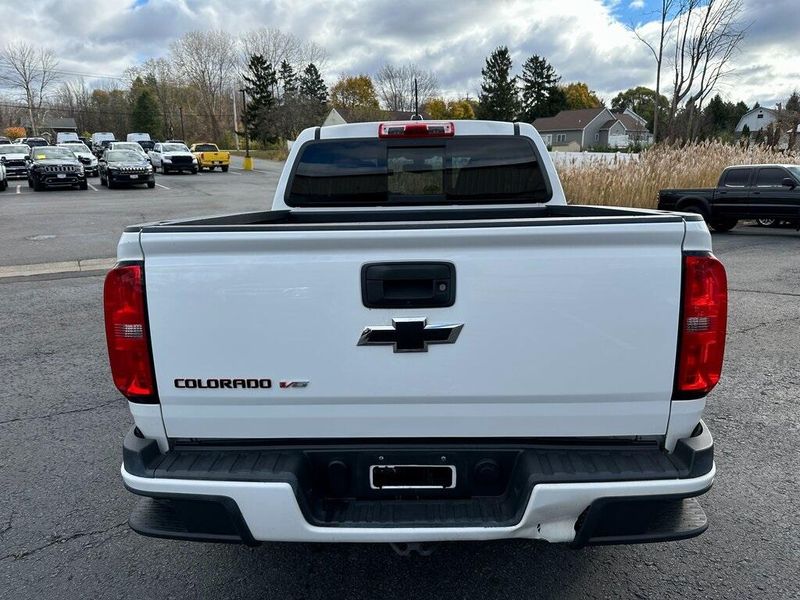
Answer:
(636, 183)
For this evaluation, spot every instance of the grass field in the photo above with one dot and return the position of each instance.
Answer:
(636, 183)
(278, 153)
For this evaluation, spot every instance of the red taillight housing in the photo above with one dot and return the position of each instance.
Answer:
(417, 129)
(127, 333)
(704, 315)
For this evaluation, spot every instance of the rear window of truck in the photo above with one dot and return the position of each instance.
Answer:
(458, 170)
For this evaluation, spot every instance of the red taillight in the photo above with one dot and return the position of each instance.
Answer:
(126, 333)
(417, 129)
(704, 315)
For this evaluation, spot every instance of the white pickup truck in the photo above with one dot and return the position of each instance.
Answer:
(421, 341)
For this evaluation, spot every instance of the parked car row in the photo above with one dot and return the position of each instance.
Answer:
(68, 165)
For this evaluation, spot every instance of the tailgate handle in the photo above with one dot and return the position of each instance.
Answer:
(408, 285)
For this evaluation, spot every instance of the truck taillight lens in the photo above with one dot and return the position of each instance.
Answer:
(417, 129)
(127, 333)
(704, 315)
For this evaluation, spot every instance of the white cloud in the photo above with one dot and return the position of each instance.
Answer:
(637, 4)
(583, 39)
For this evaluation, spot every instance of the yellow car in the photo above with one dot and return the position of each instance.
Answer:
(209, 156)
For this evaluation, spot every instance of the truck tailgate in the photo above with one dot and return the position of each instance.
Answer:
(568, 330)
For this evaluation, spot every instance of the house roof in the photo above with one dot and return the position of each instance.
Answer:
(608, 124)
(630, 123)
(568, 120)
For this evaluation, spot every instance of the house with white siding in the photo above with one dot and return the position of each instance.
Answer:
(578, 130)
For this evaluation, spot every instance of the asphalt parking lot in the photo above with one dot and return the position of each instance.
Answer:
(63, 509)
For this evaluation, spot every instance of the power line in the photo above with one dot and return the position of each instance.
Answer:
(89, 111)
(9, 65)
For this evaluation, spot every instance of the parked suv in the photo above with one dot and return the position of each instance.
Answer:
(53, 166)
(125, 167)
(85, 156)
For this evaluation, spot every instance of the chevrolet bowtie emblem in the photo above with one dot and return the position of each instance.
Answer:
(410, 335)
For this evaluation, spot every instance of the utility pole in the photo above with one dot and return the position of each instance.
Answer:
(183, 131)
(235, 121)
(248, 161)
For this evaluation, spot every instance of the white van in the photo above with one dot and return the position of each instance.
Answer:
(138, 137)
(66, 136)
(102, 136)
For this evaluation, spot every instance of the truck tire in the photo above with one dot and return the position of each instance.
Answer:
(110, 183)
(3, 185)
(84, 185)
(723, 225)
(224, 168)
(194, 170)
(151, 184)
(38, 186)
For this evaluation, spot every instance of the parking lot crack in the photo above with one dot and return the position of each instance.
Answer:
(764, 324)
(764, 292)
(7, 526)
(59, 413)
(60, 539)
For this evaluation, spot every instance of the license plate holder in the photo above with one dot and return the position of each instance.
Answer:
(61, 175)
(412, 477)
(134, 177)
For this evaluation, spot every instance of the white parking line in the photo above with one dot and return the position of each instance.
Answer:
(162, 186)
(94, 189)
(18, 189)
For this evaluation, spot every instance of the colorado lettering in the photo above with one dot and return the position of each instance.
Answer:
(225, 384)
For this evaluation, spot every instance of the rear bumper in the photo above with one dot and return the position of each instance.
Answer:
(249, 496)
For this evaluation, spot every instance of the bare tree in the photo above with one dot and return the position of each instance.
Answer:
(708, 33)
(277, 46)
(32, 72)
(657, 48)
(395, 86)
(207, 61)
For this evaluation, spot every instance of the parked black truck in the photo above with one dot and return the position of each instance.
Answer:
(768, 193)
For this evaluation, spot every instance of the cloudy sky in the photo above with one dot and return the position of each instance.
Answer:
(586, 40)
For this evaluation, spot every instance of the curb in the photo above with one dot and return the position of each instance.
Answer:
(70, 266)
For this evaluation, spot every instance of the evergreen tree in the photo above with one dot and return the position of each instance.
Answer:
(312, 86)
(145, 114)
(793, 103)
(540, 92)
(498, 99)
(260, 80)
(288, 78)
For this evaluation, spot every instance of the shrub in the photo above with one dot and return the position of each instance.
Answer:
(14, 132)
